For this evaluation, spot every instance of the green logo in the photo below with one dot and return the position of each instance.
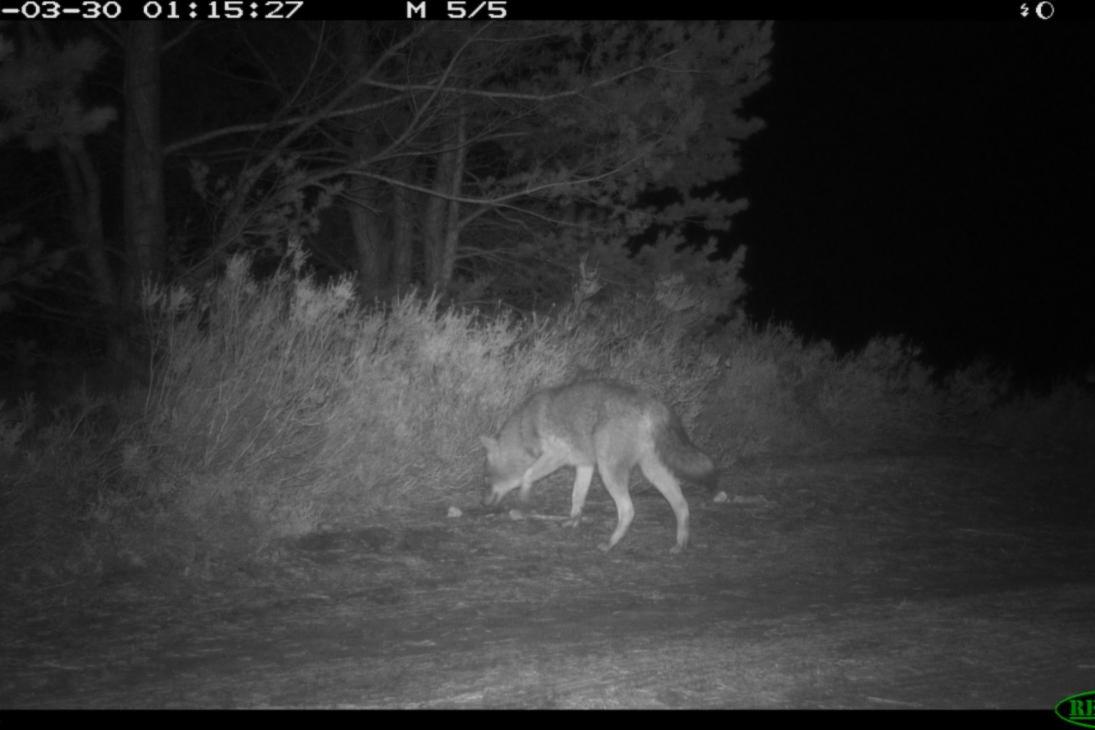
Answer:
(1079, 709)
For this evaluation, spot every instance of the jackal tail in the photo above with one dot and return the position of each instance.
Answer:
(682, 457)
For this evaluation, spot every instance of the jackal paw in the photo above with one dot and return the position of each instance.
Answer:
(604, 547)
(676, 549)
(572, 521)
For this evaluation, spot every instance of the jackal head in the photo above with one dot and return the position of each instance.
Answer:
(505, 469)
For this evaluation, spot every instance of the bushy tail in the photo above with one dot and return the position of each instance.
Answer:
(681, 455)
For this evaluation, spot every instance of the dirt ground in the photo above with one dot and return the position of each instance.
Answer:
(944, 580)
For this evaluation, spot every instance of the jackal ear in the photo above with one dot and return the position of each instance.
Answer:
(488, 443)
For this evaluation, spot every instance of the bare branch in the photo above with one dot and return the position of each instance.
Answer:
(540, 98)
(108, 29)
(167, 46)
(435, 92)
(502, 198)
(176, 147)
(311, 68)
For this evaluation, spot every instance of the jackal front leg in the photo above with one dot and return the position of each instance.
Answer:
(583, 475)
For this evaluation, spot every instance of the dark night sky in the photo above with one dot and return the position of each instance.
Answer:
(933, 179)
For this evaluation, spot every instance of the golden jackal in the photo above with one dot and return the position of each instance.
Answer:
(604, 424)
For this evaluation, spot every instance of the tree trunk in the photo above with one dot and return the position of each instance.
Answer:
(452, 222)
(363, 205)
(143, 168)
(85, 199)
(402, 229)
(368, 239)
(442, 233)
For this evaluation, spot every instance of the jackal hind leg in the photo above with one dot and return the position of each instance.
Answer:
(583, 476)
(670, 487)
(615, 478)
